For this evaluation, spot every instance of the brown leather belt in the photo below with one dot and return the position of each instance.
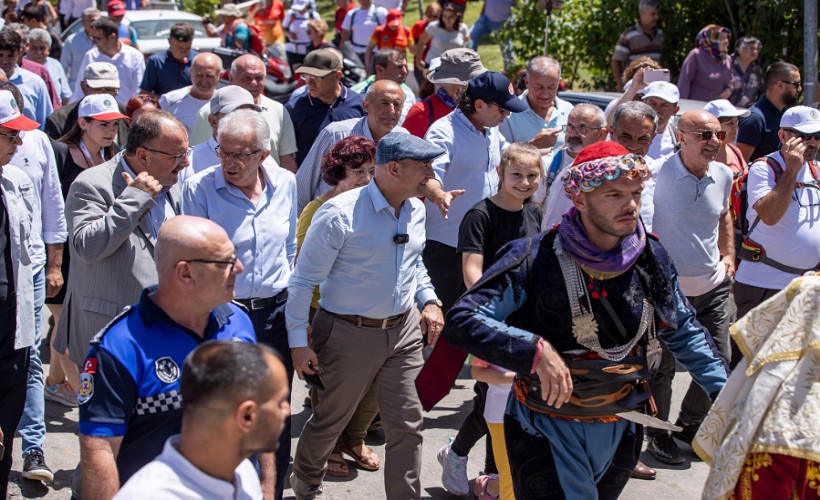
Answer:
(382, 324)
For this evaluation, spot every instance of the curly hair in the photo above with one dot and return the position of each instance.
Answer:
(353, 152)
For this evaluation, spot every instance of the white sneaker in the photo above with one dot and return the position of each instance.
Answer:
(453, 471)
(61, 393)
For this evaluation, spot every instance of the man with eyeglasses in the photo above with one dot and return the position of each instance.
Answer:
(693, 220)
(114, 213)
(759, 132)
(784, 212)
(129, 390)
(255, 202)
(586, 124)
(97, 78)
(186, 102)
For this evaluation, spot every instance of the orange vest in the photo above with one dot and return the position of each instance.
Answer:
(384, 37)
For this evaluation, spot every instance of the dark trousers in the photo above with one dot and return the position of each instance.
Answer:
(13, 376)
(444, 268)
(712, 312)
(269, 326)
(747, 297)
(474, 428)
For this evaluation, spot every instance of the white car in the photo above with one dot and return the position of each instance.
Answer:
(153, 27)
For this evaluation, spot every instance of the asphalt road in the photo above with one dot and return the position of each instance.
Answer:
(62, 454)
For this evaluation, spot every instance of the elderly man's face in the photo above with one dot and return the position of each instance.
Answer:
(541, 90)
(664, 109)
(322, 86)
(38, 51)
(649, 18)
(9, 140)
(251, 77)
(634, 134)
(241, 158)
(167, 155)
(217, 278)
(695, 150)
(87, 23)
(414, 176)
(384, 109)
(582, 130)
(180, 49)
(204, 76)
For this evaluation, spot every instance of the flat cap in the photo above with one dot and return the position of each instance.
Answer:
(397, 146)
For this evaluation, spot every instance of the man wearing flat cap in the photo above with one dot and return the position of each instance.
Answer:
(363, 249)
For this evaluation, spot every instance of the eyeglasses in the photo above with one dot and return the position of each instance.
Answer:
(95, 38)
(706, 135)
(231, 262)
(241, 157)
(581, 129)
(796, 84)
(176, 157)
(804, 136)
(363, 172)
(308, 78)
(17, 135)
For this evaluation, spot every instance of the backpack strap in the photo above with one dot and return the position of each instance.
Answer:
(427, 102)
(555, 166)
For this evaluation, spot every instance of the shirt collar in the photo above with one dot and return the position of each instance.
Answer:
(681, 171)
(461, 117)
(151, 313)
(380, 202)
(362, 128)
(342, 97)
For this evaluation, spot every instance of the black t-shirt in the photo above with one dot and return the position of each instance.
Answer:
(6, 268)
(487, 227)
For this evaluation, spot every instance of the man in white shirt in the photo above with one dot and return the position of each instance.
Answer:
(245, 407)
(129, 62)
(186, 102)
(360, 23)
(663, 97)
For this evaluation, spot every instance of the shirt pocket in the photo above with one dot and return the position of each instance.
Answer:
(100, 306)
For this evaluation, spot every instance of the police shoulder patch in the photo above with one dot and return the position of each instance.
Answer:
(86, 389)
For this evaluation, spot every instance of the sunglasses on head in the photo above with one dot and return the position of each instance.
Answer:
(706, 135)
(805, 137)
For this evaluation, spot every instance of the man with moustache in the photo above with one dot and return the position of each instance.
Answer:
(586, 125)
(246, 407)
(693, 220)
(129, 393)
(601, 293)
(186, 102)
(759, 132)
(784, 210)
(383, 103)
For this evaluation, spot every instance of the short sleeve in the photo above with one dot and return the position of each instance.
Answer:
(759, 182)
(751, 130)
(107, 395)
(472, 232)
(348, 20)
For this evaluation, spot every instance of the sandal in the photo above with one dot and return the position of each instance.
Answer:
(341, 467)
(365, 460)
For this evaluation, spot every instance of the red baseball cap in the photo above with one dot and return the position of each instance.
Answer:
(116, 8)
(394, 17)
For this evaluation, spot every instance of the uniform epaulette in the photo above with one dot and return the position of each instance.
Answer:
(241, 306)
(98, 337)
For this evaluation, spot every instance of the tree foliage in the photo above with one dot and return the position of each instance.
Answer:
(583, 34)
(201, 7)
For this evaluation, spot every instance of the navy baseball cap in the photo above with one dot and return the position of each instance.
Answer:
(493, 87)
(397, 146)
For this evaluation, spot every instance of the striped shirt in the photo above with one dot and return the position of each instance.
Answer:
(635, 43)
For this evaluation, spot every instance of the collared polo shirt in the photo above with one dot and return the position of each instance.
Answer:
(635, 43)
(311, 115)
(164, 73)
(687, 220)
(469, 163)
(523, 126)
(129, 385)
(264, 234)
(760, 128)
(350, 252)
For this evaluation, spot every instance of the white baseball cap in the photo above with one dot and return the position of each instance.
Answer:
(101, 107)
(801, 118)
(10, 116)
(664, 90)
(722, 108)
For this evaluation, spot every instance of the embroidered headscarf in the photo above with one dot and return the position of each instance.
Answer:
(708, 40)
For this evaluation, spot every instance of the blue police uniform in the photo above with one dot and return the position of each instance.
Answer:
(129, 385)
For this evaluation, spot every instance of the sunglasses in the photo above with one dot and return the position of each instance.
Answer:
(796, 84)
(805, 137)
(706, 135)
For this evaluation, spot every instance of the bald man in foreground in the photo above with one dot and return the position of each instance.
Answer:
(129, 390)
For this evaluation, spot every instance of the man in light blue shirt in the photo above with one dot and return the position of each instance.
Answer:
(256, 204)
(77, 45)
(363, 249)
(38, 102)
(545, 113)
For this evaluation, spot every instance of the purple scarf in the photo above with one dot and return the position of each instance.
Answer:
(600, 265)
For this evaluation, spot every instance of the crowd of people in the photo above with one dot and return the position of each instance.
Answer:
(198, 245)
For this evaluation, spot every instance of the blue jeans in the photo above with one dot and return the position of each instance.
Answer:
(32, 427)
(484, 27)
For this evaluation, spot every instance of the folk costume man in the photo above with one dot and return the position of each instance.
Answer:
(602, 294)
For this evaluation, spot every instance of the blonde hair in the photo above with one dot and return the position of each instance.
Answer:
(318, 25)
(521, 153)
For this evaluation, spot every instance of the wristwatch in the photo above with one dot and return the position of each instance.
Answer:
(432, 301)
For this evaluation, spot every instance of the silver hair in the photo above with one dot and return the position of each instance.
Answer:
(590, 109)
(89, 12)
(242, 121)
(634, 110)
(543, 64)
(648, 4)
(40, 35)
(22, 29)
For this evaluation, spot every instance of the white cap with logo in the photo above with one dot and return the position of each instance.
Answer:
(801, 118)
(10, 116)
(101, 107)
(667, 91)
(722, 108)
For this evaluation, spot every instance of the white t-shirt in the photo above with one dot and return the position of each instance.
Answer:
(296, 22)
(794, 240)
(172, 476)
(557, 202)
(497, 394)
(183, 105)
(663, 144)
(361, 25)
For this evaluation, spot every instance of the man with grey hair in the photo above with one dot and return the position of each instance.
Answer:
(383, 104)
(38, 49)
(389, 64)
(644, 39)
(256, 204)
(586, 125)
(540, 124)
(186, 102)
(77, 45)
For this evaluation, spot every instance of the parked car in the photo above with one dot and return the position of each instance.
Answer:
(153, 27)
(602, 99)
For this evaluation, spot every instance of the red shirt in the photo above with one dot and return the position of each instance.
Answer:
(341, 13)
(417, 31)
(418, 119)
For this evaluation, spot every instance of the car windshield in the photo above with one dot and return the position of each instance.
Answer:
(159, 29)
